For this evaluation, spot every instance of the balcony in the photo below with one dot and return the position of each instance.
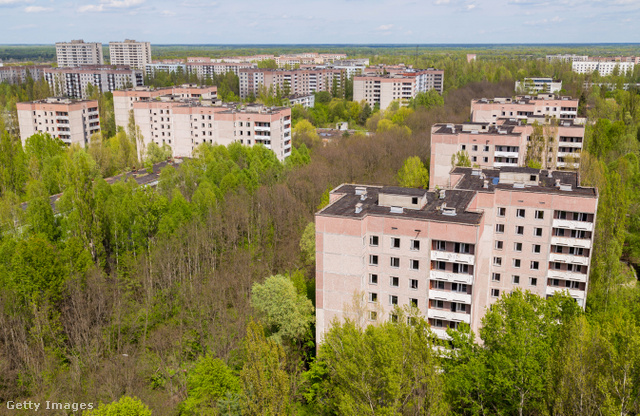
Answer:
(504, 164)
(447, 315)
(441, 333)
(578, 294)
(570, 144)
(565, 275)
(569, 258)
(449, 256)
(573, 225)
(262, 128)
(451, 277)
(506, 154)
(450, 296)
(571, 242)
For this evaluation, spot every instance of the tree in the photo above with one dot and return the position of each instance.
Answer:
(286, 313)
(209, 382)
(413, 174)
(461, 158)
(429, 99)
(308, 245)
(125, 406)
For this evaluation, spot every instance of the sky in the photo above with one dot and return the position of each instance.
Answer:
(321, 21)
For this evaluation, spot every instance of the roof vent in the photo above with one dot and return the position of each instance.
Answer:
(442, 194)
(518, 185)
(361, 190)
(485, 184)
(558, 183)
(475, 172)
(451, 212)
(358, 208)
(397, 210)
(565, 187)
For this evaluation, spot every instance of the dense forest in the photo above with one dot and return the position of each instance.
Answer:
(196, 297)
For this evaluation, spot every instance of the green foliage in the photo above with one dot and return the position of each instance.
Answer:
(156, 154)
(286, 312)
(125, 406)
(429, 99)
(209, 382)
(308, 245)
(461, 158)
(413, 174)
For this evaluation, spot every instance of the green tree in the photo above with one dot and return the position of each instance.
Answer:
(125, 406)
(427, 100)
(461, 158)
(413, 174)
(209, 382)
(308, 245)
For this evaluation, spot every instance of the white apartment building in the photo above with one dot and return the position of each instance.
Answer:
(538, 85)
(604, 68)
(567, 58)
(71, 121)
(77, 53)
(167, 67)
(135, 54)
(73, 82)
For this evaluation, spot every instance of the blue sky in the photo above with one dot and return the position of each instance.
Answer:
(321, 21)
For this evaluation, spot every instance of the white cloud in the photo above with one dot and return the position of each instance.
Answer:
(106, 5)
(555, 19)
(384, 27)
(37, 9)
(168, 13)
(10, 2)
(470, 7)
(443, 1)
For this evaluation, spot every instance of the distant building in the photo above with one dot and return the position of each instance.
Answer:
(396, 85)
(204, 70)
(538, 85)
(604, 68)
(135, 54)
(351, 67)
(451, 254)
(73, 82)
(19, 74)
(489, 110)
(177, 67)
(567, 58)
(71, 121)
(471, 57)
(77, 53)
(289, 81)
(305, 100)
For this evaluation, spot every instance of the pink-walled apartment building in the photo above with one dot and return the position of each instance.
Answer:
(452, 253)
(71, 121)
(500, 131)
(289, 81)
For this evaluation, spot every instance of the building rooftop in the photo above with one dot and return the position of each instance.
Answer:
(359, 201)
(523, 99)
(59, 100)
(475, 128)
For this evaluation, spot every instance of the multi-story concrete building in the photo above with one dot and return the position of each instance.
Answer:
(452, 253)
(504, 144)
(604, 68)
(401, 85)
(307, 101)
(73, 82)
(538, 85)
(77, 53)
(123, 100)
(71, 121)
(567, 58)
(289, 81)
(19, 74)
(168, 67)
(135, 54)
(206, 70)
(184, 124)
(489, 110)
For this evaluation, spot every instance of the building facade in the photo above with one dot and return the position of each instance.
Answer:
(135, 54)
(401, 85)
(206, 70)
(567, 58)
(73, 122)
(543, 105)
(289, 81)
(604, 68)
(74, 82)
(20, 74)
(452, 253)
(538, 85)
(77, 53)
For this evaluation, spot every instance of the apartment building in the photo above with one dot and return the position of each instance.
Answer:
(73, 82)
(307, 101)
(20, 74)
(489, 110)
(503, 144)
(71, 121)
(123, 100)
(186, 123)
(135, 54)
(208, 69)
(452, 253)
(168, 67)
(77, 53)
(604, 68)
(567, 58)
(398, 84)
(289, 81)
(538, 85)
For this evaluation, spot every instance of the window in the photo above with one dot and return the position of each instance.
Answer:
(537, 232)
(577, 251)
(539, 215)
(502, 211)
(519, 229)
(373, 241)
(437, 323)
(562, 215)
(458, 307)
(536, 248)
(474, 147)
(373, 297)
(373, 279)
(515, 279)
(573, 285)
(413, 283)
(393, 300)
(497, 261)
(520, 213)
(461, 248)
(394, 317)
(415, 245)
(495, 277)
(373, 260)
(437, 284)
(499, 228)
(517, 246)
(415, 265)
(413, 303)
(556, 265)
(535, 265)
(474, 158)
(441, 265)
(533, 281)
(373, 315)
(579, 216)
(464, 146)
(414, 200)
(499, 245)
(486, 148)
(485, 159)
(459, 287)
(495, 293)
(394, 281)
(516, 263)
(460, 268)
(441, 245)
(395, 262)
(395, 242)
(437, 304)
(554, 282)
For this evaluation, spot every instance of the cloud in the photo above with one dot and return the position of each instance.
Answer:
(168, 13)
(106, 5)
(37, 9)
(384, 27)
(13, 2)
(470, 7)
(555, 19)
(443, 1)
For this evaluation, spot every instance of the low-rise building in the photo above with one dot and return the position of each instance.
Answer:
(71, 121)
(452, 253)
